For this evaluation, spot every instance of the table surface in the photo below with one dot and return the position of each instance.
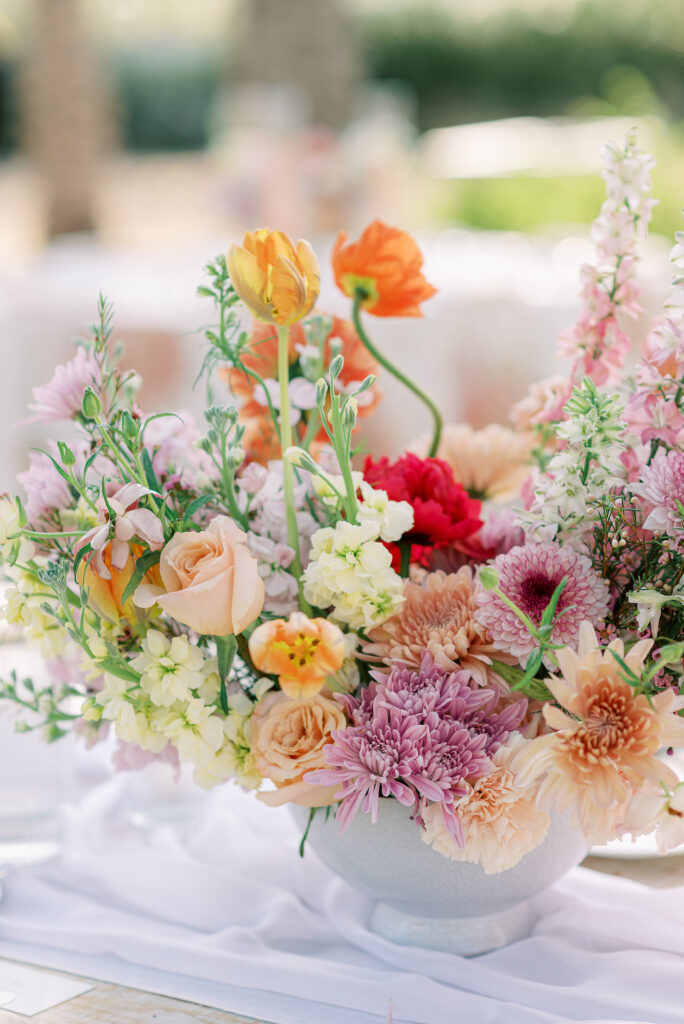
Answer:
(133, 1007)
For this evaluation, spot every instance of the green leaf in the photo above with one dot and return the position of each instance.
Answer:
(226, 649)
(550, 610)
(142, 565)
(150, 474)
(120, 669)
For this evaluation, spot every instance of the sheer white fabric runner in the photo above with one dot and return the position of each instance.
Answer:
(233, 918)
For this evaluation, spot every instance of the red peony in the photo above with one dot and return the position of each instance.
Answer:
(444, 513)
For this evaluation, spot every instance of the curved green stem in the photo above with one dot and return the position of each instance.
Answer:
(401, 377)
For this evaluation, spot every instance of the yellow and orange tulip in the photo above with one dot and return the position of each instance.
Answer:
(277, 280)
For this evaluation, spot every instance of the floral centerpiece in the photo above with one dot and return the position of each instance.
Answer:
(484, 629)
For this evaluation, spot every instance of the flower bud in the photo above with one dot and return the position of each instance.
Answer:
(91, 406)
(489, 578)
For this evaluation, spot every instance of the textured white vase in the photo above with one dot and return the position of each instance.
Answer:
(423, 899)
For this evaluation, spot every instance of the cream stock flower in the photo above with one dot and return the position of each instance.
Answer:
(351, 571)
(170, 668)
(193, 728)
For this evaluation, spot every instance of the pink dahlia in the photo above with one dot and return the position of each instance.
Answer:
(528, 576)
(662, 489)
(62, 397)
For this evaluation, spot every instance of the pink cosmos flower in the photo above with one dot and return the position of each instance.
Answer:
(662, 489)
(46, 491)
(528, 576)
(62, 397)
(130, 521)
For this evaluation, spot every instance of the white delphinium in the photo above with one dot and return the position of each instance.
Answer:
(579, 477)
(170, 668)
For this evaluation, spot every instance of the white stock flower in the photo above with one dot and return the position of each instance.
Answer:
(193, 728)
(351, 571)
(128, 708)
(170, 668)
(391, 519)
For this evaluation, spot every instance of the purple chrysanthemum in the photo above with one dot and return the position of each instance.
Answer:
(661, 486)
(372, 760)
(432, 688)
(528, 576)
(417, 735)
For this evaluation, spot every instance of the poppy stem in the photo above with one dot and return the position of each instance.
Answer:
(288, 470)
(401, 377)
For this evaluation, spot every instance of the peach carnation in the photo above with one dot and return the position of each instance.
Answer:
(490, 463)
(500, 820)
(606, 736)
(438, 615)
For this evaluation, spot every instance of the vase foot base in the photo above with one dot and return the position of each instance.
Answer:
(466, 936)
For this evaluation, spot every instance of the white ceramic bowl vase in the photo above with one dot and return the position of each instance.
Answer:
(423, 899)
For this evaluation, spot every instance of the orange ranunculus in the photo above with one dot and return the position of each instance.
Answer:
(302, 652)
(105, 595)
(260, 440)
(385, 264)
(277, 280)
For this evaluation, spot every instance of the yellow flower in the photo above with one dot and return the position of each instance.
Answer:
(278, 281)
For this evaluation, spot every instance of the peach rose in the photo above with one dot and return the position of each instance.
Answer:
(287, 740)
(210, 581)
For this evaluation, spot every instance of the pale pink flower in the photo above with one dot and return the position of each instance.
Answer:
(45, 489)
(176, 459)
(501, 821)
(129, 757)
(62, 397)
(130, 521)
(528, 576)
(662, 489)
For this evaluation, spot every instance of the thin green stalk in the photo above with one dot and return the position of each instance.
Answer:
(285, 443)
(401, 377)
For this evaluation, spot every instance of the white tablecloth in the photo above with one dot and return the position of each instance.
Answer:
(231, 917)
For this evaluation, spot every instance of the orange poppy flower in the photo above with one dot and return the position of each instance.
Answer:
(302, 652)
(386, 265)
(276, 279)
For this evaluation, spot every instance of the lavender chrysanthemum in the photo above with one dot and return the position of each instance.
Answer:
(372, 760)
(661, 486)
(432, 688)
(416, 735)
(528, 576)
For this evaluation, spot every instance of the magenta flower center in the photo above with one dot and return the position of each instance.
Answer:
(536, 591)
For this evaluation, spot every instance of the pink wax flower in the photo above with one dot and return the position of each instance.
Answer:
(62, 397)
(528, 576)
(130, 522)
